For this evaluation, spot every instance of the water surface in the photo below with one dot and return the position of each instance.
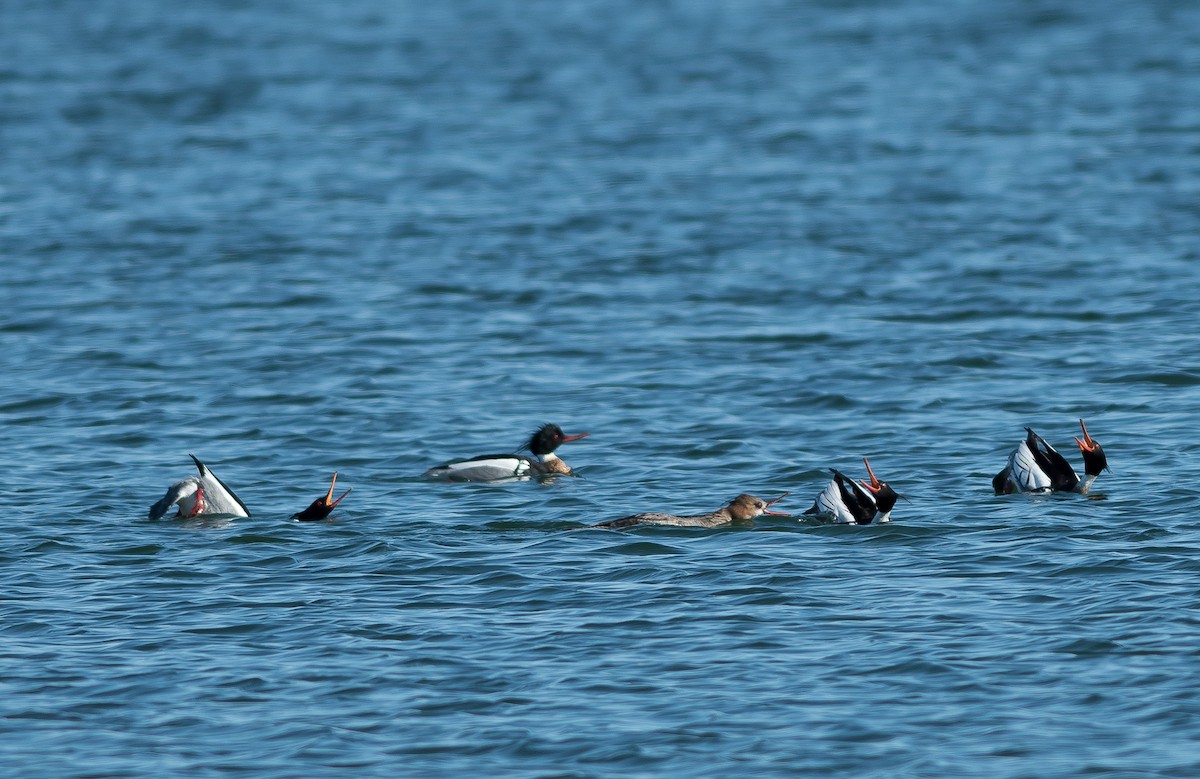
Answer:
(738, 243)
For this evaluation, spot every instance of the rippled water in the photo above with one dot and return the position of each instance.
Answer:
(739, 244)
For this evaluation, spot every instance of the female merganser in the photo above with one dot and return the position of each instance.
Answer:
(1034, 466)
(743, 508)
(494, 467)
(320, 508)
(203, 494)
(845, 502)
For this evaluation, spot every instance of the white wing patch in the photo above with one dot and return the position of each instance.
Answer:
(507, 464)
(1024, 472)
(218, 499)
(511, 466)
(487, 469)
(831, 505)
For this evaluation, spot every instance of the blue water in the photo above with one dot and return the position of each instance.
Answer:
(740, 243)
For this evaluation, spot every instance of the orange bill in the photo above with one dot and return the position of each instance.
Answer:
(329, 495)
(875, 485)
(1087, 443)
(771, 503)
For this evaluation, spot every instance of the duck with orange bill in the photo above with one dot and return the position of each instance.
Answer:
(321, 507)
(848, 502)
(543, 445)
(1035, 466)
(743, 508)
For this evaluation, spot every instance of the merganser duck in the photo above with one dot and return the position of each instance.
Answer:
(196, 495)
(743, 508)
(320, 508)
(1034, 466)
(494, 467)
(845, 502)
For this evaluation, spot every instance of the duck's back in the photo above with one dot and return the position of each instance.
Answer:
(491, 467)
(655, 518)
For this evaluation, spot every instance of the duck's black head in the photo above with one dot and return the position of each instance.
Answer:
(322, 506)
(885, 497)
(1094, 459)
(549, 437)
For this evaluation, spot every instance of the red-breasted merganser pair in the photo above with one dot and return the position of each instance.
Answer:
(743, 508)
(1034, 466)
(498, 467)
(322, 506)
(204, 494)
(845, 502)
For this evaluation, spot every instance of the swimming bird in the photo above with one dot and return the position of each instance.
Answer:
(1035, 466)
(494, 467)
(743, 508)
(203, 494)
(845, 502)
(320, 508)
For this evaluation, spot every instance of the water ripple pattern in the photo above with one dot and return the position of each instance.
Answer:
(740, 244)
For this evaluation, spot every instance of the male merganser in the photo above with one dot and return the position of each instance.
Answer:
(743, 508)
(494, 467)
(320, 508)
(845, 502)
(1034, 466)
(203, 494)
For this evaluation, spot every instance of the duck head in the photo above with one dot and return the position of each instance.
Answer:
(322, 506)
(1094, 459)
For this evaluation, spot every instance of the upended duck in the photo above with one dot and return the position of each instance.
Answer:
(200, 495)
(1035, 466)
(846, 502)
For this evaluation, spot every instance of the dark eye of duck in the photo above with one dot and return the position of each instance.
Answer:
(759, 504)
